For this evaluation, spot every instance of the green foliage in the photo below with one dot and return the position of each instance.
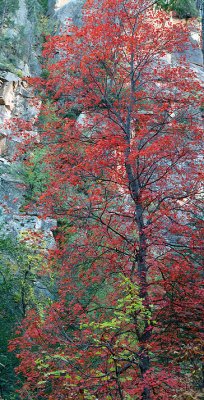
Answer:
(7, 9)
(14, 47)
(18, 42)
(127, 307)
(36, 8)
(165, 4)
(183, 8)
(45, 73)
(4, 66)
(12, 38)
(19, 263)
(44, 4)
(73, 113)
(36, 177)
(42, 24)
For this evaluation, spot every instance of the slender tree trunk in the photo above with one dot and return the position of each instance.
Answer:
(144, 361)
(134, 185)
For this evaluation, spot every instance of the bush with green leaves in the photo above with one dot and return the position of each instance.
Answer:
(183, 8)
(37, 6)
(20, 262)
(44, 4)
(7, 9)
(35, 175)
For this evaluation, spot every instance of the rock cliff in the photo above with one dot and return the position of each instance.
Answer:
(20, 53)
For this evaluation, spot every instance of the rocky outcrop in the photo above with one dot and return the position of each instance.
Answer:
(6, 94)
(193, 52)
(67, 9)
(16, 102)
(15, 98)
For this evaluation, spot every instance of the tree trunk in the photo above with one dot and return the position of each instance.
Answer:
(144, 361)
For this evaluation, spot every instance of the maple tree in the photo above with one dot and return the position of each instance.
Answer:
(121, 136)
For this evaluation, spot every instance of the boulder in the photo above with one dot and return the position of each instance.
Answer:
(7, 94)
(199, 72)
(2, 145)
(71, 10)
(61, 3)
(12, 190)
(193, 53)
(9, 76)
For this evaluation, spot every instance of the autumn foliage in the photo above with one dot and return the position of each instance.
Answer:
(121, 127)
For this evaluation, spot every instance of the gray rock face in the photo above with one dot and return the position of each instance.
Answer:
(16, 102)
(6, 94)
(51, 6)
(61, 3)
(200, 73)
(18, 38)
(71, 10)
(22, 13)
(193, 53)
(66, 9)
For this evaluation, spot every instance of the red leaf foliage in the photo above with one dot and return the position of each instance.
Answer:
(125, 186)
